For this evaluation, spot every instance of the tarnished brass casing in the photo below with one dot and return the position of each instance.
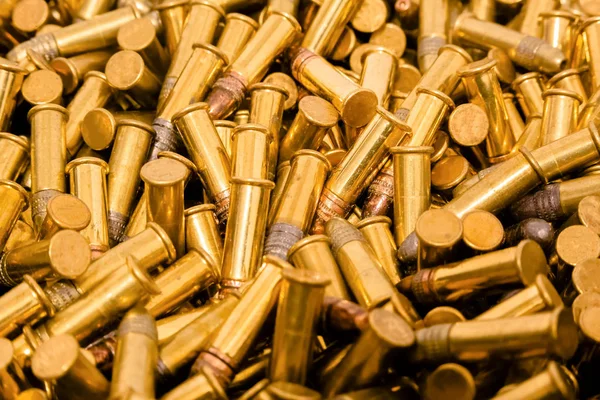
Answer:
(238, 30)
(13, 200)
(561, 111)
(14, 155)
(376, 230)
(73, 69)
(202, 232)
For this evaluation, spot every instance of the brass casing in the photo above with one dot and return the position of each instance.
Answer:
(376, 230)
(437, 242)
(250, 150)
(64, 211)
(72, 70)
(531, 138)
(225, 129)
(127, 72)
(559, 29)
(552, 382)
(12, 379)
(529, 89)
(530, 16)
(238, 30)
(13, 200)
(172, 14)
(561, 111)
(517, 125)
(378, 72)
(589, 29)
(433, 29)
(570, 79)
(99, 126)
(483, 9)
(21, 234)
(14, 155)
(140, 36)
(283, 172)
(426, 116)
(202, 232)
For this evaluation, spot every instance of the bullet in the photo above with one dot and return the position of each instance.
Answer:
(376, 231)
(298, 203)
(523, 49)
(14, 155)
(315, 116)
(449, 377)
(190, 274)
(555, 201)
(200, 27)
(328, 26)
(96, 33)
(569, 79)
(172, 15)
(226, 349)
(42, 87)
(87, 177)
(283, 171)
(529, 89)
(484, 90)
(202, 385)
(378, 72)
(517, 125)
(244, 237)
(300, 299)
(442, 315)
(60, 360)
(238, 30)
(549, 383)
(72, 70)
(129, 153)
(348, 179)
(538, 230)
(433, 26)
(482, 231)
(127, 72)
(137, 354)
(207, 152)
(139, 35)
(313, 253)
(362, 270)
(164, 184)
(150, 247)
(521, 263)
(561, 109)
(386, 333)
(588, 29)
(201, 232)
(48, 156)
(438, 233)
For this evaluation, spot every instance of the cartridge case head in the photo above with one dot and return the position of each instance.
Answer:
(390, 36)
(442, 315)
(482, 231)
(42, 87)
(72, 70)
(32, 394)
(576, 244)
(438, 232)
(30, 15)
(69, 254)
(468, 125)
(98, 128)
(64, 211)
(449, 172)
(588, 323)
(140, 36)
(126, 71)
(449, 380)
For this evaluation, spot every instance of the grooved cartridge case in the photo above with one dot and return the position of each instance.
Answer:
(95, 92)
(238, 30)
(359, 166)
(561, 110)
(244, 237)
(14, 155)
(295, 211)
(172, 13)
(201, 232)
(324, 80)
(300, 299)
(521, 263)
(72, 70)
(529, 89)
(376, 230)
(439, 233)
(378, 72)
(523, 49)
(139, 35)
(87, 177)
(250, 149)
(548, 383)
(433, 28)
(129, 153)
(137, 354)
(61, 361)
(48, 156)
(13, 200)
(207, 152)
(359, 264)
(165, 181)
(127, 72)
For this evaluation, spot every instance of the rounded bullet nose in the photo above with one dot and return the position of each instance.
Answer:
(98, 129)
(449, 381)
(391, 328)
(577, 243)
(439, 228)
(586, 276)
(359, 108)
(55, 357)
(66, 211)
(531, 261)
(482, 231)
(538, 230)
(443, 315)
(6, 353)
(70, 254)
(550, 59)
(548, 292)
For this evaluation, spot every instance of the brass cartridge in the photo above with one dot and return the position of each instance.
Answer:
(442, 315)
(26, 303)
(378, 72)
(244, 237)
(315, 116)
(137, 355)
(95, 92)
(190, 274)
(229, 344)
(551, 333)
(313, 253)
(300, 299)
(359, 264)
(376, 230)
(87, 177)
(588, 29)
(241, 117)
(531, 138)
(88, 9)
(380, 194)
(65, 255)
(530, 16)
(521, 263)
(523, 49)
(569, 79)
(169, 326)
(517, 125)
(538, 230)
(201, 232)
(48, 156)
(411, 188)
(14, 155)
(129, 153)
(61, 361)
(584, 279)
(97, 33)
(529, 89)
(391, 36)
(283, 172)
(295, 210)
(12, 378)
(561, 110)
(204, 385)
(288, 83)
(574, 245)
(438, 233)
(13, 200)
(238, 30)
(482, 231)
(266, 109)
(72, 70)
(426, 116)
(558, 28)
(433, 27)
(328, 25)
(172, 15)
(140, 36)
(207, 152)
(99, 125)
(203, 68)
(165, 180)
(587, 214)
(540, 295)
(225, 129)
(32, 394)
(557, 200)
(386, 333)
(468, 126)
(448, 378)
(323, 80)
(551, 382)
(200, 27)
(42, 87)
(20, 235)
(358, 167)
(250, 150)
(30, 15)
(127, 72)
(483, 89)
(150, 247)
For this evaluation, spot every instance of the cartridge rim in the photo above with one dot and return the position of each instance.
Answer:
(311, 153)
(40, 294)
(142, 276)
(213, 382)
(588, 212)
(70, 254)
(213, 49)
(95, 74)
(68, 212)
(223, 123)
(189, 109)
(525, 77)
(215, 6)
(587, 22)
(436, 93)
(548, 292)
(476, 68)
(505, 70)
(98, 128)
(253, 182)
(456, 49)
(475, 131)
(449, 172)
(37, 59)
(283, 165)
(482, 230)
(439, 228)
(269, 86)
(171, 253)
(290, 18)
(42, 87)
(164, 172)
(395, 39)
(252, 127)
(178, 157)
(243, 17)
(441, 142)
(318, 112)
(136, 124)
(583, 301)
(451, 381)
(376, 219)
(557, 13)
(443, 315)
(286, 82)
(6, 353)
(55, 357)
(398, 93)
(170, 4)
(577, 243)
(377, 49)
(12, 67)
(562, 75)
(305, 277)
(562, 92)
(20, 140)
(86, 161)
(300, 244)
(335, 156)
(411, 149)
(32, 394)
(391, 328)
(19, 188)
(589, 320)
(67, 72)
(199, 208)
(124, 69)
(47, 107)
(140, 30)
(586, 276)
(394, 119)
(530, 261)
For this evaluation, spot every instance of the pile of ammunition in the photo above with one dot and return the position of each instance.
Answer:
(299, 199)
